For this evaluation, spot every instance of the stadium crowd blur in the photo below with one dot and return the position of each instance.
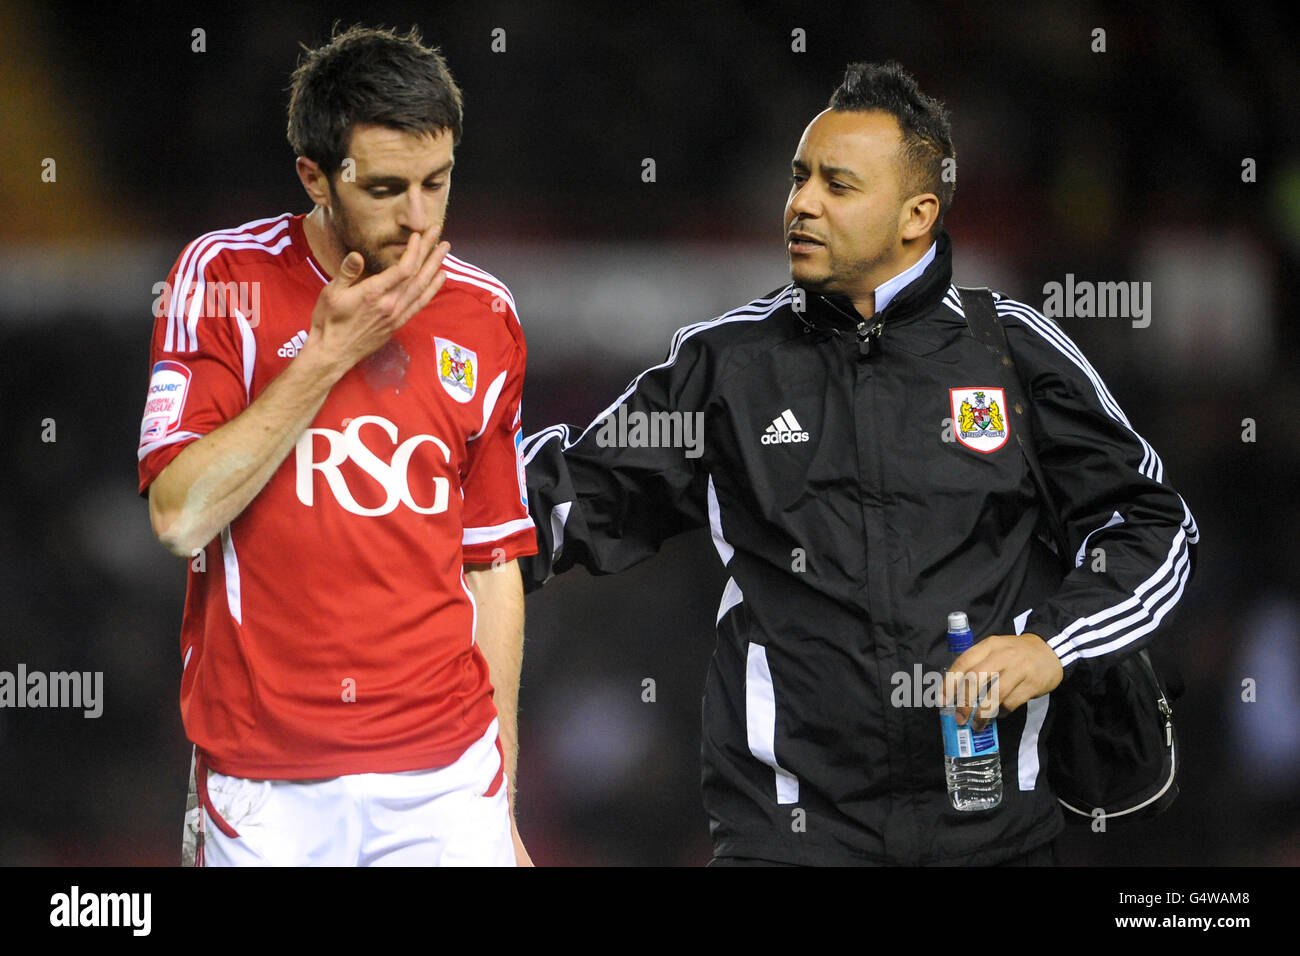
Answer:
(1123, 165)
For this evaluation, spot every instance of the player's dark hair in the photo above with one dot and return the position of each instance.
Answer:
(927, 135)
(366, 75)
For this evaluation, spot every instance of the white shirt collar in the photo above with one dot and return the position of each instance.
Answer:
(886, 291)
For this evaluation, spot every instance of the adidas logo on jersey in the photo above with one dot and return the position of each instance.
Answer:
(294, 345)
(784, 430)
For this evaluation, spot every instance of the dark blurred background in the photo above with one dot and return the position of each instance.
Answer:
(1123, 165)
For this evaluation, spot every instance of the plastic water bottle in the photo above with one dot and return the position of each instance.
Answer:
(971, 759)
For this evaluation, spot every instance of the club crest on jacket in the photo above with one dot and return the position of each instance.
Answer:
(978, 417)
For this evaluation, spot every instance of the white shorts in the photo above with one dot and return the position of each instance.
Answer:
(456, 815)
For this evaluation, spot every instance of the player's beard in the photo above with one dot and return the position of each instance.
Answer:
(350, 238)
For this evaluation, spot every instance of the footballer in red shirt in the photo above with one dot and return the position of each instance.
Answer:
(331, 437)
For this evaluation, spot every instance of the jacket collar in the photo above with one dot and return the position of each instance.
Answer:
(886, 291)
(834, 312)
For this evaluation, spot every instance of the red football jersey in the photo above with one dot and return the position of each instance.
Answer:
(328, 629)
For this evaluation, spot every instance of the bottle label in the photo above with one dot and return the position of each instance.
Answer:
(961, 741)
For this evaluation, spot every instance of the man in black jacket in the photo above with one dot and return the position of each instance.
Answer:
(847, 442)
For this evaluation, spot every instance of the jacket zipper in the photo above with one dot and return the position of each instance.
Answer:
(866, 333)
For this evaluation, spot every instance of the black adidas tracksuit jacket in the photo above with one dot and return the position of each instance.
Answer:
(851, 518)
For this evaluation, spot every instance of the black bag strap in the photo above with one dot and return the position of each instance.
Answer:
(1076, 756)
(982, 319)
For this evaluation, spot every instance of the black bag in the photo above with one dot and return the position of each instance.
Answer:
(1112, 752)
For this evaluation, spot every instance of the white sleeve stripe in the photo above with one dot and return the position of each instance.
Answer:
(760, 722)
(1053, 333)
(163, 442)
(746, 313)
(473, 271)
(952, 300)
(1065, 345)
(537, 438)
(1154, 598)
(1176, 546)
(489, 404)
(199, 249)
(192, 299)
(495, 532)
(200, 287)
(1160, 600)
(192, 249)
(199, 245)
(462, 268)
(1050, 330)
(469, 267)
(1067, 647)
(559, 520)
(759, 308)
(230, 562)
(533, 443)
(1152, 618)
(731, 596)
(249, 342)
(1150, 466)
(720, 542)
(233, 232)
(1098, 650)
(500, 291)
(1141, 610)
(1081, 554)
(469, 593)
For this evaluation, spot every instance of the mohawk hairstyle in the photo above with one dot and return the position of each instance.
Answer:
(366, 75)
(923, 121)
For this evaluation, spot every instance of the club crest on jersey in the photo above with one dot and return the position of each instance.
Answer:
(979, 418)
(457, 369)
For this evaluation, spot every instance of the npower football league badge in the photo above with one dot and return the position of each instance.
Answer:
(979, 418)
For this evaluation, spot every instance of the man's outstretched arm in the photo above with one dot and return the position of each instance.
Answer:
(608, 503)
